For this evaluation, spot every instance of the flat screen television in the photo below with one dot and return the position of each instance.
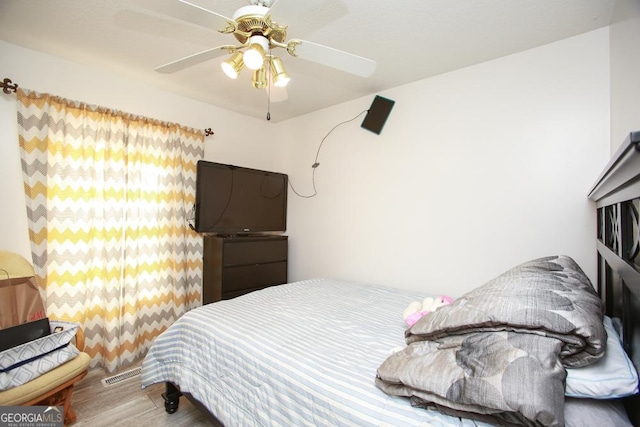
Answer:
(234, 200)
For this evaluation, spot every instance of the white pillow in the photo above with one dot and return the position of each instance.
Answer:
(611, 377)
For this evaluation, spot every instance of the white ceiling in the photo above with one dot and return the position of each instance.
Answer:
(409, 39)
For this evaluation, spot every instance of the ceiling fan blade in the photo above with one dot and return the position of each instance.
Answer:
(196, 58)
(277, 93)
(189, 11)
(288, 11)
(334, 58)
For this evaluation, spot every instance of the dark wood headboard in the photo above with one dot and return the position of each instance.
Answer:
(617, 196)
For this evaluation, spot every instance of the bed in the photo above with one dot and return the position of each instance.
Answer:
(324, 352)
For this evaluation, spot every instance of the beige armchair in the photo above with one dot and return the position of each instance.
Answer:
(53, 388)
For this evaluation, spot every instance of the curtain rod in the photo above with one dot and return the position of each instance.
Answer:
(8, 87)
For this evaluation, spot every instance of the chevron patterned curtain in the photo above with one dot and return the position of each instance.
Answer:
(108, 198)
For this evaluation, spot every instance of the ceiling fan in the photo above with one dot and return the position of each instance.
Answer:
(258, 36)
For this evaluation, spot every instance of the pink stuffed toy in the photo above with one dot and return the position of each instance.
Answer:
(416, 310)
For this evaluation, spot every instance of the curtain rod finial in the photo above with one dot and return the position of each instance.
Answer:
(8, 87)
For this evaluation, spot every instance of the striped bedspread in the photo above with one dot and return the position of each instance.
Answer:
(302, 354)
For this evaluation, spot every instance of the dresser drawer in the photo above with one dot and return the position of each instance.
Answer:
(254, 252)
(253, 276)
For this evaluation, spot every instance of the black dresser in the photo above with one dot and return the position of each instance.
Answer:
(237, 265)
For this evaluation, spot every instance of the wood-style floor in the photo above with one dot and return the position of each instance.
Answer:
(125, 404)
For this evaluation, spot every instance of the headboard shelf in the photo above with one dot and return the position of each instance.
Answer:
(620, 179)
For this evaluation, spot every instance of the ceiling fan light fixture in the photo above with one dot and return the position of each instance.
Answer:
(254, 55)
(280, 75)
(259, 80)
(233, 65)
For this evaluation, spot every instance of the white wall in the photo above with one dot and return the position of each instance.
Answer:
(237, 138)
(475, 171)
(625, 70)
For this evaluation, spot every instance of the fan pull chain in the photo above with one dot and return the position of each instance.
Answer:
(269, 97)
(269, 88)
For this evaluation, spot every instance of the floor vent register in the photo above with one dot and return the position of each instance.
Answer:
(122, 376)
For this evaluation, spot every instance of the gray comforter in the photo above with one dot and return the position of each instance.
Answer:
(498, 353)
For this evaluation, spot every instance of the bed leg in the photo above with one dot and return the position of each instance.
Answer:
(171, 398)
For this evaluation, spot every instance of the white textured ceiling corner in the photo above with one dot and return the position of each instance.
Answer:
(410, 40)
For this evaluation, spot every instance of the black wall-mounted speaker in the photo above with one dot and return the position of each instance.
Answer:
(377, 115)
